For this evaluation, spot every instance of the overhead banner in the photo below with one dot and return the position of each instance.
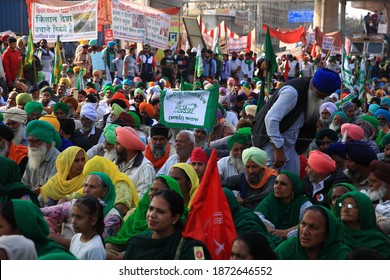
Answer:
(189, 109)
(128, 21)
(242, 17)
(71, 23)
(138, 23)
(157, 28)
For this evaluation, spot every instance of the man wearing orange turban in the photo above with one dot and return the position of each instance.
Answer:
(321, 176)
(131, 160)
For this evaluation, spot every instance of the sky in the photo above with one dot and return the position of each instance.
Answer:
(356, 13)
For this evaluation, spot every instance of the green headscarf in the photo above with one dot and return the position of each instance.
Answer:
(350, 187)
(110, 196)
(137, 223)
(332, 249)
(47, 89)
(32, 224)
(62, 106)
(282, 215)
(240, 138)
(186, 86)
(246, 220)
(33, 106)
(136, 118)
(367, 236)
(10, 185)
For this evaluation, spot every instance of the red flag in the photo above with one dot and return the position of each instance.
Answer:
(287, 36)
(210, 220)
(286, 70)
(314, 50)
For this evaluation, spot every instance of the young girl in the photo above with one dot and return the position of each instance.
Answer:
(87, 222)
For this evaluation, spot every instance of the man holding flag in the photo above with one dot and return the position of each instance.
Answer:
(32, 63)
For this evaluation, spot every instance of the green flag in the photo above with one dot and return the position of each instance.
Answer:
(57, 63)
(189, 109)
(30, 51)
(346, 72)
(362, 77)
(270, 67)
(217, 49)
(199, 63)
(80, 80)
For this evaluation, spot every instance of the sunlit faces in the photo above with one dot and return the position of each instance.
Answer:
(199, 167)
(6, 228)
(77, 165)
(160, 218)
(253, 172)
(313, 230)
(82, 221)
(337, 192)
(240, 251)
(283, 188)
(349, 212)
(156, 186)
(94, 187)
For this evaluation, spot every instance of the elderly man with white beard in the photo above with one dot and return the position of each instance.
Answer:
(338, 119)
(327, 110)
(379, 193)
(284, 126)
(233, 165)
(107, 148)
(16, 119)
(42, 154)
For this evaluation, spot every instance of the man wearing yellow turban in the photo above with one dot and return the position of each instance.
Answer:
(257, 180)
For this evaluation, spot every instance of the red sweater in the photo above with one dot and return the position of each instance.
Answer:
(11, 64)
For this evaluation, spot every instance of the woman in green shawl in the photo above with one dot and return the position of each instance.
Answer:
(10, 185)
(23, 217)
(283, 208)
(358, 223)
(319, 238)
(246, 221)
(97, 185)
(163, 240)
(136, 223)
(337, 191)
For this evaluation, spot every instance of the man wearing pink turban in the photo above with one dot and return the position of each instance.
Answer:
(131, 160)
(351, 132)
(321, 176)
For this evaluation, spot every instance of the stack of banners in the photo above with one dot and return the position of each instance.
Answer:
(138, 23)
(328, 42)
(189, 109)
(229, 41)
(71, 23)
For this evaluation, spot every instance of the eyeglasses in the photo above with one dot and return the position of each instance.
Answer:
(348, 205)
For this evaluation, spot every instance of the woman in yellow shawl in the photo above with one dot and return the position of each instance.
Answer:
(69, 178)
(126, 194)
(188, 181)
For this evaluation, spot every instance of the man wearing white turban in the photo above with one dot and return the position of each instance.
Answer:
(16, 119)
(256, 182)
(327, 110)
(88, 135)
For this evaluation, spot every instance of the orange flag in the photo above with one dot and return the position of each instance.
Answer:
(210, 220)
